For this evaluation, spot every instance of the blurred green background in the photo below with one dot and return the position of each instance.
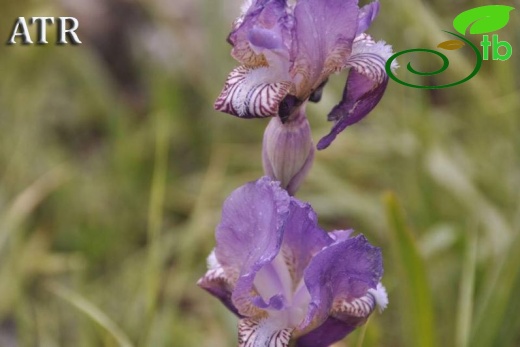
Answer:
(114, 167)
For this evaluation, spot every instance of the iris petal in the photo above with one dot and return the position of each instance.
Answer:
(249, 236)
(325, 30)
(359, 307)
(366, 84)
(332, 330)
(252, 93)
(346, 269)
(303, 238)
(345, 316)
(264, 25)
(366, 15)
(265, 333)
(219, 285)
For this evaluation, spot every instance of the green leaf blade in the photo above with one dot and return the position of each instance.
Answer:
(414, 288)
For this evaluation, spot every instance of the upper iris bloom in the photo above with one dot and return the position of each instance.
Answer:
(288, 49)
(286, 278)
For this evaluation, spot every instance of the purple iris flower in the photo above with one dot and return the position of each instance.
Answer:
(288, 49)
(284, 277)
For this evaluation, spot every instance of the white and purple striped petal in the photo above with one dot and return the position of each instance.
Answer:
(262, 333)
(252, 93)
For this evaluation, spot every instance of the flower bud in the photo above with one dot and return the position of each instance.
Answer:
(288, 151)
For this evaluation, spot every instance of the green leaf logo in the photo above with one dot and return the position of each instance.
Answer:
(483, 19)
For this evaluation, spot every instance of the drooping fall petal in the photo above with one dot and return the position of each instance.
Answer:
(366, 84)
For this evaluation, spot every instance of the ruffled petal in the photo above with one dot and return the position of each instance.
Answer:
(249, 236)
(262, 333)
(380, 296)
(366, 84)
(340, 235)
(263, 25)
(345, 270)
(252, 93)
(325, 30)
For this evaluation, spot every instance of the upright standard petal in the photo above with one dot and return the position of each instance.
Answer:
(325, 30)
(303, 238)
(365, 86)
(264, 25)
(249, 236)
(366, 15)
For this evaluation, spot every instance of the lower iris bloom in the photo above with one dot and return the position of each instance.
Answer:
(288, 280)
(289, 48)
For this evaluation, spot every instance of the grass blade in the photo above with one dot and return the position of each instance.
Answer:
(466, 290)
(412, 281)
(29, 199)
(90, 310)
(493, 312)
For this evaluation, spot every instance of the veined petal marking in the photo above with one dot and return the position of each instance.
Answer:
(243, 52)
(359, 307)
(216, 274)
(246, 306)
(369, 58)
(335, 61)
(252, 333)
(244, 97)
(224, 100)
(370, 65)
